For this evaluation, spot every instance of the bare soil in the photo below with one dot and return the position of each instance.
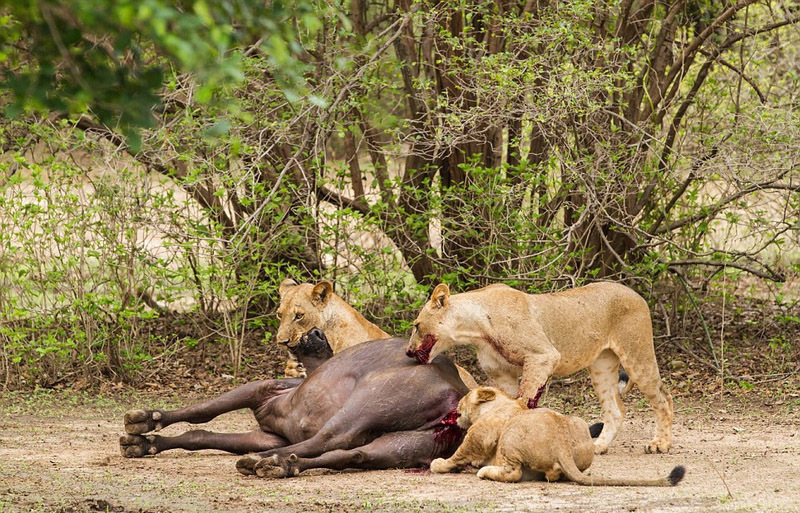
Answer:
(59, 452)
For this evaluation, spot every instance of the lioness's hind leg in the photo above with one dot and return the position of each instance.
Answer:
(604, 372)
(639, 360)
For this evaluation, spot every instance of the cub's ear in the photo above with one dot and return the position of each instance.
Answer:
(440, 295)
(486, 394)
(322, 292)
(285, 285)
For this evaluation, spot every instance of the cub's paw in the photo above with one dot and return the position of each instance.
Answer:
(440, 466)
(658, 446)
(138, 422)
(137, 446)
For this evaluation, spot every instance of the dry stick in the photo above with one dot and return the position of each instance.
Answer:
(700, 314)
(722, 477)
(722, 338)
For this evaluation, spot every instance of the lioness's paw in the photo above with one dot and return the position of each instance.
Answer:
(294, 369)
(440, 466)
(137, 446)
(657, 446)
(138, 422)
(600, 447)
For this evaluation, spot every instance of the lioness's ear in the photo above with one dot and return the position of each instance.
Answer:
(486, 394)
(440, 295)
(322, 292)
(285, 285)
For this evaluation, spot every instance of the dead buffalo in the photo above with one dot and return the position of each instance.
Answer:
(367, 407)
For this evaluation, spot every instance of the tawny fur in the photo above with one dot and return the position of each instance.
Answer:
(508, 440)
(314, 305)
(535, 336)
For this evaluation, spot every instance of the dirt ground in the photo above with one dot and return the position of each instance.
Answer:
(59, 452)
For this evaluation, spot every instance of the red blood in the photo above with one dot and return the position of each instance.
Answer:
(533, 402)
(423, 353)
(447, 434)
(417, 471)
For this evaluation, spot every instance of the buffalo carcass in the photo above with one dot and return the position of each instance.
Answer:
(368, 407)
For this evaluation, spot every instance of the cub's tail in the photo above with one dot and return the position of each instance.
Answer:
(573, 474)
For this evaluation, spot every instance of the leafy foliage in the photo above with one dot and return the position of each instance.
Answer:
(544, 145)
(112, 58)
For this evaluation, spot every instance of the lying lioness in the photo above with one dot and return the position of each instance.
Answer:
(305, 306)
(314, 305)
(518, 440)
(595, 327)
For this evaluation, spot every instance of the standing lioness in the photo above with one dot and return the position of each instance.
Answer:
(597, 327)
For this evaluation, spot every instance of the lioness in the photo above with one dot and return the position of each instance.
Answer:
(307, 305)
(518, 440)
(597, 327)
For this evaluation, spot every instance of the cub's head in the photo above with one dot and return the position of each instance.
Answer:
(430, 335)
(480, 401)
(303, 306)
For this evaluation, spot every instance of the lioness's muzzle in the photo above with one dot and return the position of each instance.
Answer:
(422, 354)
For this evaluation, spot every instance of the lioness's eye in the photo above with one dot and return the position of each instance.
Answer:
(298, 316)
(416, 326)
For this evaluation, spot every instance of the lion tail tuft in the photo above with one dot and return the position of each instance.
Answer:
(625, 384)
(676, 475)
(595, 429)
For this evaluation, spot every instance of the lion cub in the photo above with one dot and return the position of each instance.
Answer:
(504, 432)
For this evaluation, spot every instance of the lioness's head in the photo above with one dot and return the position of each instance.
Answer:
(302, 308)
(430, 335)
(479, 401)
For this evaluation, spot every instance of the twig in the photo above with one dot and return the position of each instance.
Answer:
(699, 313)
(722, 477)
(770, 275)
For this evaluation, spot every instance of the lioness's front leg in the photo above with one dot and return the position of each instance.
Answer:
(538, 367)
(478, 447)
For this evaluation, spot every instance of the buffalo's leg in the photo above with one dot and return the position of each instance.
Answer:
(136, 446)
(401, 449)
(362, 418)
(251, 395)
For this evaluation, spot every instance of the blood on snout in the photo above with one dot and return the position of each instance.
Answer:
(423, 353)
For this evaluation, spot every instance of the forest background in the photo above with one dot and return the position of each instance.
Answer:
(165, 165)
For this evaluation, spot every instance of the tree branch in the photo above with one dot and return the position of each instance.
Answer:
(768, 274)
(717, 207)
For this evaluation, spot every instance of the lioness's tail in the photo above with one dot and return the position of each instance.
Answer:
(573, 474)
(625, 384)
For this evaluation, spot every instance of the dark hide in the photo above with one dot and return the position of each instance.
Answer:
(367, 407)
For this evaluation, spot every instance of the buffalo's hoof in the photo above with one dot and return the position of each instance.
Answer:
(269, 467)
(247, 465)
(137, 446)
(138, 422)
